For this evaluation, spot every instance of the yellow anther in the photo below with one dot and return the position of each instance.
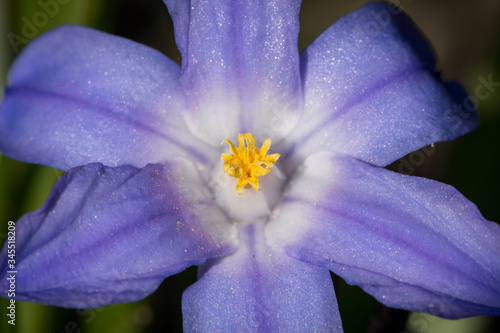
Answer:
(247, 163)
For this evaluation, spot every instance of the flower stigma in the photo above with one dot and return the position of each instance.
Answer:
(247, 163)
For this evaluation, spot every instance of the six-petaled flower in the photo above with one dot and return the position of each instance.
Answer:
(146, 192)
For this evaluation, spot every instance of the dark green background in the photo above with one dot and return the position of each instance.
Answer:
(466, 36)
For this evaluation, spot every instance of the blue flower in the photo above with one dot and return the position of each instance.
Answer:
(146, 192)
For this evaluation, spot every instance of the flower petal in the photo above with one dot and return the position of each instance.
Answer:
(370, 91)
(260, 290)
(109, 235)
(240, 66)
(411, 242)
(78, 96)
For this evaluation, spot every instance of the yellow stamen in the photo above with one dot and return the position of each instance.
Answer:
(247, 163)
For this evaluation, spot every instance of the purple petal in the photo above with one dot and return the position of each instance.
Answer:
(77, 96)
(109, 235)
(240, 66)
(411, 242)
(370, 91)
(260, 290)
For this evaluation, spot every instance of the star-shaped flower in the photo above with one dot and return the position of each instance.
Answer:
(147, 191)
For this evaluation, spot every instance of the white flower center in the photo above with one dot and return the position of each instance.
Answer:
(250, 205)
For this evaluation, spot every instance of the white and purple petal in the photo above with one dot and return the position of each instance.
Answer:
(78, 96)
(110, 235)
(370, 91)
(258, 289)
(240, 66)
(411, 242)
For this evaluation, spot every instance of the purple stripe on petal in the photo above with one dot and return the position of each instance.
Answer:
(372, 94)
(412, 243)
(261, 290)
(240, 66)
(110, 235)
(60, 124)
(78, 96)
